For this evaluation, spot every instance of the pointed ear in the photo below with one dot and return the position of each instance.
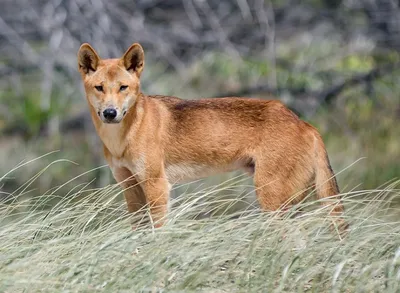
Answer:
(134, 59)
(88, 60)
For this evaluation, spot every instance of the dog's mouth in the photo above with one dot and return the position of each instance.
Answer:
(114, 121)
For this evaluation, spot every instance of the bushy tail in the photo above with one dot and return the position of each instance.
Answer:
(326, 184)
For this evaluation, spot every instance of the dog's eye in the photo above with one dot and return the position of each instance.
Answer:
(99, 88)
(123, 87)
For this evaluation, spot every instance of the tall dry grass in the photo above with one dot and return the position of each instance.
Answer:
(81, 241)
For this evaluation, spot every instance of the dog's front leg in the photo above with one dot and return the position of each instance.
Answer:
(157, 190)
(134, 196)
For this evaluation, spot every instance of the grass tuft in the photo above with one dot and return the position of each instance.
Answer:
(83, 242)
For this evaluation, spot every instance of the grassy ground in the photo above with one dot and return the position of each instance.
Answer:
(84, 243)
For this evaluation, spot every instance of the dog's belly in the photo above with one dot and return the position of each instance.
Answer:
(184, 172)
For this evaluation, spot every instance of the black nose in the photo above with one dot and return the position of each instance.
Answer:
(110, 113)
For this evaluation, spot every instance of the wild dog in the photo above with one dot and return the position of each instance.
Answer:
(152, 142)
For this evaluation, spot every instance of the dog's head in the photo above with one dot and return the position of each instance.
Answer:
(112, 85)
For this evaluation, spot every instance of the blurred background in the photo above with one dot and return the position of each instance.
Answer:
(335, 63)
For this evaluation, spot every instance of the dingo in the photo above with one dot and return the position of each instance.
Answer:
(151, 142)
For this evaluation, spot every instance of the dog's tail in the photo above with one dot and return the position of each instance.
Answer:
(326, 184)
